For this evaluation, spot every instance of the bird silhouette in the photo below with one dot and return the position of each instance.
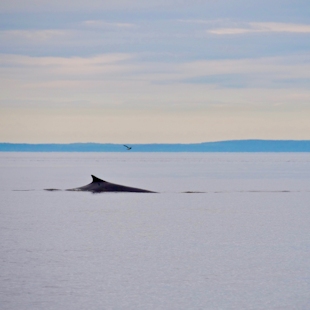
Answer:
(128, 147)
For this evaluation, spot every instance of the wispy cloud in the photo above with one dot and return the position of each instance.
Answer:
(93, 5)
(105, 24)
(273, 72)
(128, 66)
(110, 72)
(33, 35)
(109, 89)
(41, 69)
(104, 60)
(197, 21)
(262, 28)
(62, 61)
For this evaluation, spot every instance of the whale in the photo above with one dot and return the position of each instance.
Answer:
(101, 186)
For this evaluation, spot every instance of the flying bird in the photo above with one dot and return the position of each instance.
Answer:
(128, 147)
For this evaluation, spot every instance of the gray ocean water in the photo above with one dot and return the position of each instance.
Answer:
(243, 243)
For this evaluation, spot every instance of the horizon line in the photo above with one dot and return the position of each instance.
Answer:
(166, 143)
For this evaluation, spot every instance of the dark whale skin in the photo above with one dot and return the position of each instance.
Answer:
(101, 186)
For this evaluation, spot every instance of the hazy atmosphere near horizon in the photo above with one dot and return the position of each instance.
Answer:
(154, 71)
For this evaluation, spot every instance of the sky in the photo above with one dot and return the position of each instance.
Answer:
(164, 71)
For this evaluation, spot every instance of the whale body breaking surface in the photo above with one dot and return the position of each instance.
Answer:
(101, 186)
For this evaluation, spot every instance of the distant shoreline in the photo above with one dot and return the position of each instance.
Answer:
(220, 146)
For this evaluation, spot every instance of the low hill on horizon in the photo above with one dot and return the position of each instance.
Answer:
(220, 146)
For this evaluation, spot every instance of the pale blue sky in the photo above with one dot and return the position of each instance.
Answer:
(154, 71)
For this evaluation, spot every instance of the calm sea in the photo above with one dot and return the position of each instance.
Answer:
(242, 241)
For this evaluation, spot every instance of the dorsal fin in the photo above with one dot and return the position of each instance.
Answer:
(95, 179)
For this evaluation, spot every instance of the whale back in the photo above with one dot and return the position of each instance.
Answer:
(99, 186)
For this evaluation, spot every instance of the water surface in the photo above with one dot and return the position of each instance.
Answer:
(243, 243)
